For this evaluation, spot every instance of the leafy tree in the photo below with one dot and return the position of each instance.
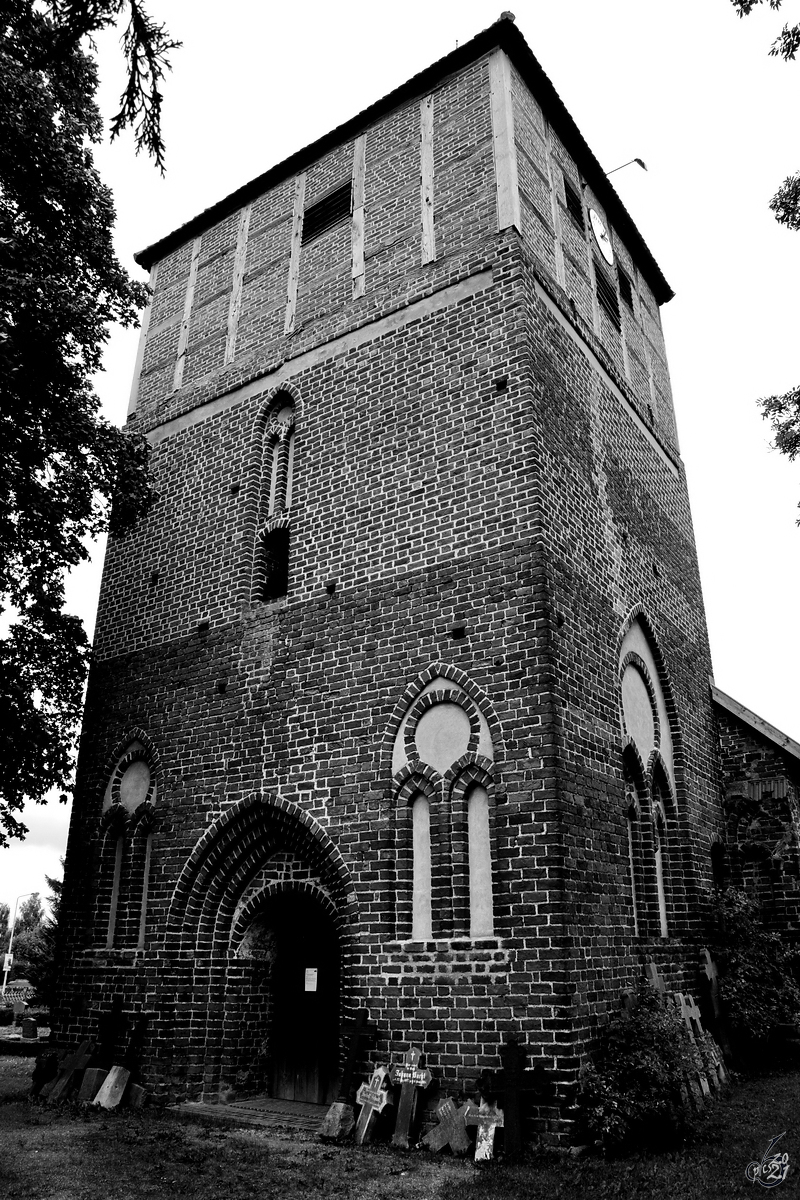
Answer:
(40, 949)
(783, 411)
(786, 201)
(61, 288)
(5, 929)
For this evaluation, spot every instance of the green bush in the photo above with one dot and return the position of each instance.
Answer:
(633, 1095)
(6, 1016)
(759, 974)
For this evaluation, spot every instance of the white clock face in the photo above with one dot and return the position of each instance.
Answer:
(601, 236)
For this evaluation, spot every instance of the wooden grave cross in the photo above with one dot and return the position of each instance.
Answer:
(355, 1032)
(373, 1098)
(451, 1130)
(69, 1068)
(410, 1077)
(513, 1059)
(487, 1118)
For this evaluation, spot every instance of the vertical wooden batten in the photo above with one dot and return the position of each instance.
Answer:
(357, 223)
(555, 211)
(143, 328)
(426, 179)
(183, 339)
(505, 150)
(294, 261)
(239, 261)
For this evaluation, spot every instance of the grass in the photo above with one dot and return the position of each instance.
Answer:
(71, 1154)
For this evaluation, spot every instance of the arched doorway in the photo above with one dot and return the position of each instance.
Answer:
(303, 1018)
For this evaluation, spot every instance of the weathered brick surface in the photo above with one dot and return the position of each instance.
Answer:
(482, 481)
(759, 832)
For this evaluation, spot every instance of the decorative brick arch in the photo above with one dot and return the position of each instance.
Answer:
(229, 855)
(638, 613)
(289, 887)
(114, 762)
(461, 679)
(251, 576)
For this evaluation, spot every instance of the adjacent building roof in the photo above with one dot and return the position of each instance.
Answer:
(504, 35)
(782, 740)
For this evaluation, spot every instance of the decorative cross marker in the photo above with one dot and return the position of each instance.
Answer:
(450, 1131)
(373, 1098)
(487, 1118)
(410, 1076)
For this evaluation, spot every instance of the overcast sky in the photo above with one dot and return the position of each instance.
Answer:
(686, 86)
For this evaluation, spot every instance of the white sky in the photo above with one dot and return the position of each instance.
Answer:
(684, 85)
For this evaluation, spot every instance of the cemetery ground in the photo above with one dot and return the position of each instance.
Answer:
(69, 1153)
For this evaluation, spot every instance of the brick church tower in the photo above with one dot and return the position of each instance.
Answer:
(400, 694)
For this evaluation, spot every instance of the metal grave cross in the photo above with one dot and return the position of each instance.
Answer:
(487, 1118)
(373, 1098)
(410, 1076)
(450, 1131)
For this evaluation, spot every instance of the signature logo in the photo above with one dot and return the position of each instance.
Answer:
(773, 1167)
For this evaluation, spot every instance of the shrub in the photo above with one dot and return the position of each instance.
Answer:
(632, 1095)
(758, 972)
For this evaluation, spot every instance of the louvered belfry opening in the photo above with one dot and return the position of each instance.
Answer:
(607, 295)
(326, 212)
(574, 203)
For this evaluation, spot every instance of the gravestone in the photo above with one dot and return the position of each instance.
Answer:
(44, 1072)
(513, 1078)
(69, 1070)
(91, 1083)
(487, 1118)
(410, 1077)
(451, 1130)
(373, 1098)
(340, 1117)
(113, 1088)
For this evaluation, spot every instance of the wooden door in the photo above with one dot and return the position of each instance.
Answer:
(305, 1003)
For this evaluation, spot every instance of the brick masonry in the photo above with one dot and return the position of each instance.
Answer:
(487, 493)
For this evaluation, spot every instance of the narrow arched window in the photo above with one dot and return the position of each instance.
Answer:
(421, 910)
(481, 912)
(116, 881)
(275, 504)
(658, 837)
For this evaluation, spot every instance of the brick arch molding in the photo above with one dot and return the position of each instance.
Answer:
(455, 675)
(638, 613)
(288, 887)
(230, 853)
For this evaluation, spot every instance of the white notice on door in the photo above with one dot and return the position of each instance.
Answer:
(311, 979)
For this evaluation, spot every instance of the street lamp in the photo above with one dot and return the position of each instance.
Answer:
(11, 940)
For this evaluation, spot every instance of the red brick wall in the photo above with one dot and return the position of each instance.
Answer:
(458, 463)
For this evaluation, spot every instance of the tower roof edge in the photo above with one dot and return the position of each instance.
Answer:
(503, 34)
